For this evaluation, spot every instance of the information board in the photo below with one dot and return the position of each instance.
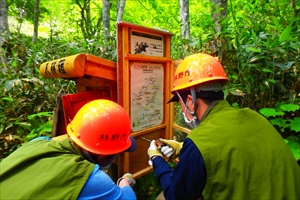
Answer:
(146, 95)
(144, 75)
(147, 44)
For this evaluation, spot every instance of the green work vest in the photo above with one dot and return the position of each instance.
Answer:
(245, 157)
(44, 170)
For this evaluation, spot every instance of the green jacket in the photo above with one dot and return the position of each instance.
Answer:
(245, 157)
(44, 170)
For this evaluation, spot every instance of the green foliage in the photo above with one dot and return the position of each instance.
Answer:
(294, 147)
(17, 125)
(146, 187)
(284, 117)
(27, 99)
(23, 10)
(262, 59)
(258, 46)
(39, 125)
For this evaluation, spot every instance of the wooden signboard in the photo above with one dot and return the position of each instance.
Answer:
(143, 77)
(140, 82)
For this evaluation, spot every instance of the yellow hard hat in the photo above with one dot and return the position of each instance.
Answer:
(102, 127)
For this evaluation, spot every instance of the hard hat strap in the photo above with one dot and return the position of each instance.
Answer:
(193, 93)
(195, 117)
(194, 122)
(88, 156)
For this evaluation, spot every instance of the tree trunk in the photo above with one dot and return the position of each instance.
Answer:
(106, 18)
(36, 20)
(88, 29)
(218, 12)
(185, 18)
(121, 7)
(4, 31)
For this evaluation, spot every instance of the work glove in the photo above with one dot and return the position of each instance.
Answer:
(176, 146)
(167, 151)
(153, 151)
(129, 178)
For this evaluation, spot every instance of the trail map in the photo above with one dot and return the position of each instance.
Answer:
(146, 95)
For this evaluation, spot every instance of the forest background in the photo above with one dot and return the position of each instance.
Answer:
(257, 42)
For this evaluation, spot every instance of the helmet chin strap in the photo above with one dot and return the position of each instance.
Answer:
(88, 156)
(193, 93)
(193, 123)
(93, 160)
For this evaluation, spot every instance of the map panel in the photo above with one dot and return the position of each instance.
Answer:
(146, 95)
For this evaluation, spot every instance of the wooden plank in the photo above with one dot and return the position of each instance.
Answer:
(55, 122)
(58, 125)
(108, 88)
(120, 47)
(139, 57)
(99, 67)
(138, 159)
(148, 130)
(185, 130)
(168, 134)
(142, 172)
(125, 91)
(105, 62)
(98, 70)
(175, 63)
(73, 102)
(147, 29)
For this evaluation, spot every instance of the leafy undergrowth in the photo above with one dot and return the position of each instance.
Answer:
(146, 187)
(286, 119)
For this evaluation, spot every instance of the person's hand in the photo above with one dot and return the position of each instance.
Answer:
(153, 151)
(176, 146)
(167, 151)
(129, 178)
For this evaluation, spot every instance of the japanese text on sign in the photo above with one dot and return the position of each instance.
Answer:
(50, 68)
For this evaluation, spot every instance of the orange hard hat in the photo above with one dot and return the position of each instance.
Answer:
(102, 127)
(197, 69)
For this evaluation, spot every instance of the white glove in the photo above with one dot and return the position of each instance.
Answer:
(167, 151)
(153, 151)
(176, 146)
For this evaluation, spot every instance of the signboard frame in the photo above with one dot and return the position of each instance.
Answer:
(137, 162)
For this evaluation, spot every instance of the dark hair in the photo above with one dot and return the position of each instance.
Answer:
(209, 101)
(207, 96)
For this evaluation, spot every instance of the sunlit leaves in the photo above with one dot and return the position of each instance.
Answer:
(268, 112)
(294, 147)
(254, 49)
(295, 124)
(285, 34)
(284, 117)
(276, 22)
(289, 107)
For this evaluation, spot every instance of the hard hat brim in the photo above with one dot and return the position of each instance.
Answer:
(175, 98)
(132, 146)
(201, 95)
